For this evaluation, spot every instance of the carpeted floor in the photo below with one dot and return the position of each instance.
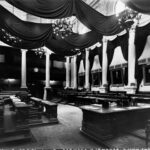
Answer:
(66, 134)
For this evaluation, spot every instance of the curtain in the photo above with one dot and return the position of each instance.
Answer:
(46, 8)
(140, 38)
(142, 6)
(60, 47)
(92, 55)
(123, 43)
(99, 51)
(24, 30)
(83, 40)
(118, 41)
(35, 35)
(110, 52)
(105, 25)
(79, 58)
(140, 42)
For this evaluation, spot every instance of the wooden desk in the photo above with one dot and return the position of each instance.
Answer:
(37, 102)
(137, 99)
(85, 100)
(50, 109)
(102, 124)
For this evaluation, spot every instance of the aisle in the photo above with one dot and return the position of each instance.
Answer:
(66, 134)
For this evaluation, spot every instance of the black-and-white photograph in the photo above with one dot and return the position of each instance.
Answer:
(74, 74)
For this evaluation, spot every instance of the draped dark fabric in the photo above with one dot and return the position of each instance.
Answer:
(46, 8)
(140, 42)
(60, 47)
(123, 43)
(99, 51)
(83, 57)
(105, 25)
(24, 30)
(79, 58)
(119, 41)
(123, 40)
(83, 40)
(140, 38)
(110, 50)
(142, 6)
(24, 44)
(92, 55)
(35, 35)
(67, 46)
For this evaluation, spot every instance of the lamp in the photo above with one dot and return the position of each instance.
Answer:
(127, 18)
(62, 28)
(40, 51)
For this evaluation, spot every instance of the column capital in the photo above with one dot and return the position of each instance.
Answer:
(105, 39)
(47, 52)
(24, 50)
(75, 56)
(87, 49)
(133, 27)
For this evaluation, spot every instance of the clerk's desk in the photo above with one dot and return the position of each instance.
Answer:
(102, 124)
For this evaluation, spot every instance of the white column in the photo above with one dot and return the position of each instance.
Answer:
(75, 72)
(131, 88)
(47, 75)
(67, 72)
(104, 86)
(23, 69)
(87, 70)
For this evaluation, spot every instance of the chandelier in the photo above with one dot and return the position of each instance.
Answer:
(127, 18)
(40, 51)
(8, 37)
(62, 28)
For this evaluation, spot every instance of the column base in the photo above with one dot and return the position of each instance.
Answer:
(87, 89)
(24, 88)
(47, 93)
(66, 88)
(130, 89)
(103, 89)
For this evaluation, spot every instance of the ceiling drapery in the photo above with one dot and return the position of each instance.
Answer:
(106, 25)
(34, 35)
(24, 30)
(79, 41)
(46, 8)
(142, 6)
